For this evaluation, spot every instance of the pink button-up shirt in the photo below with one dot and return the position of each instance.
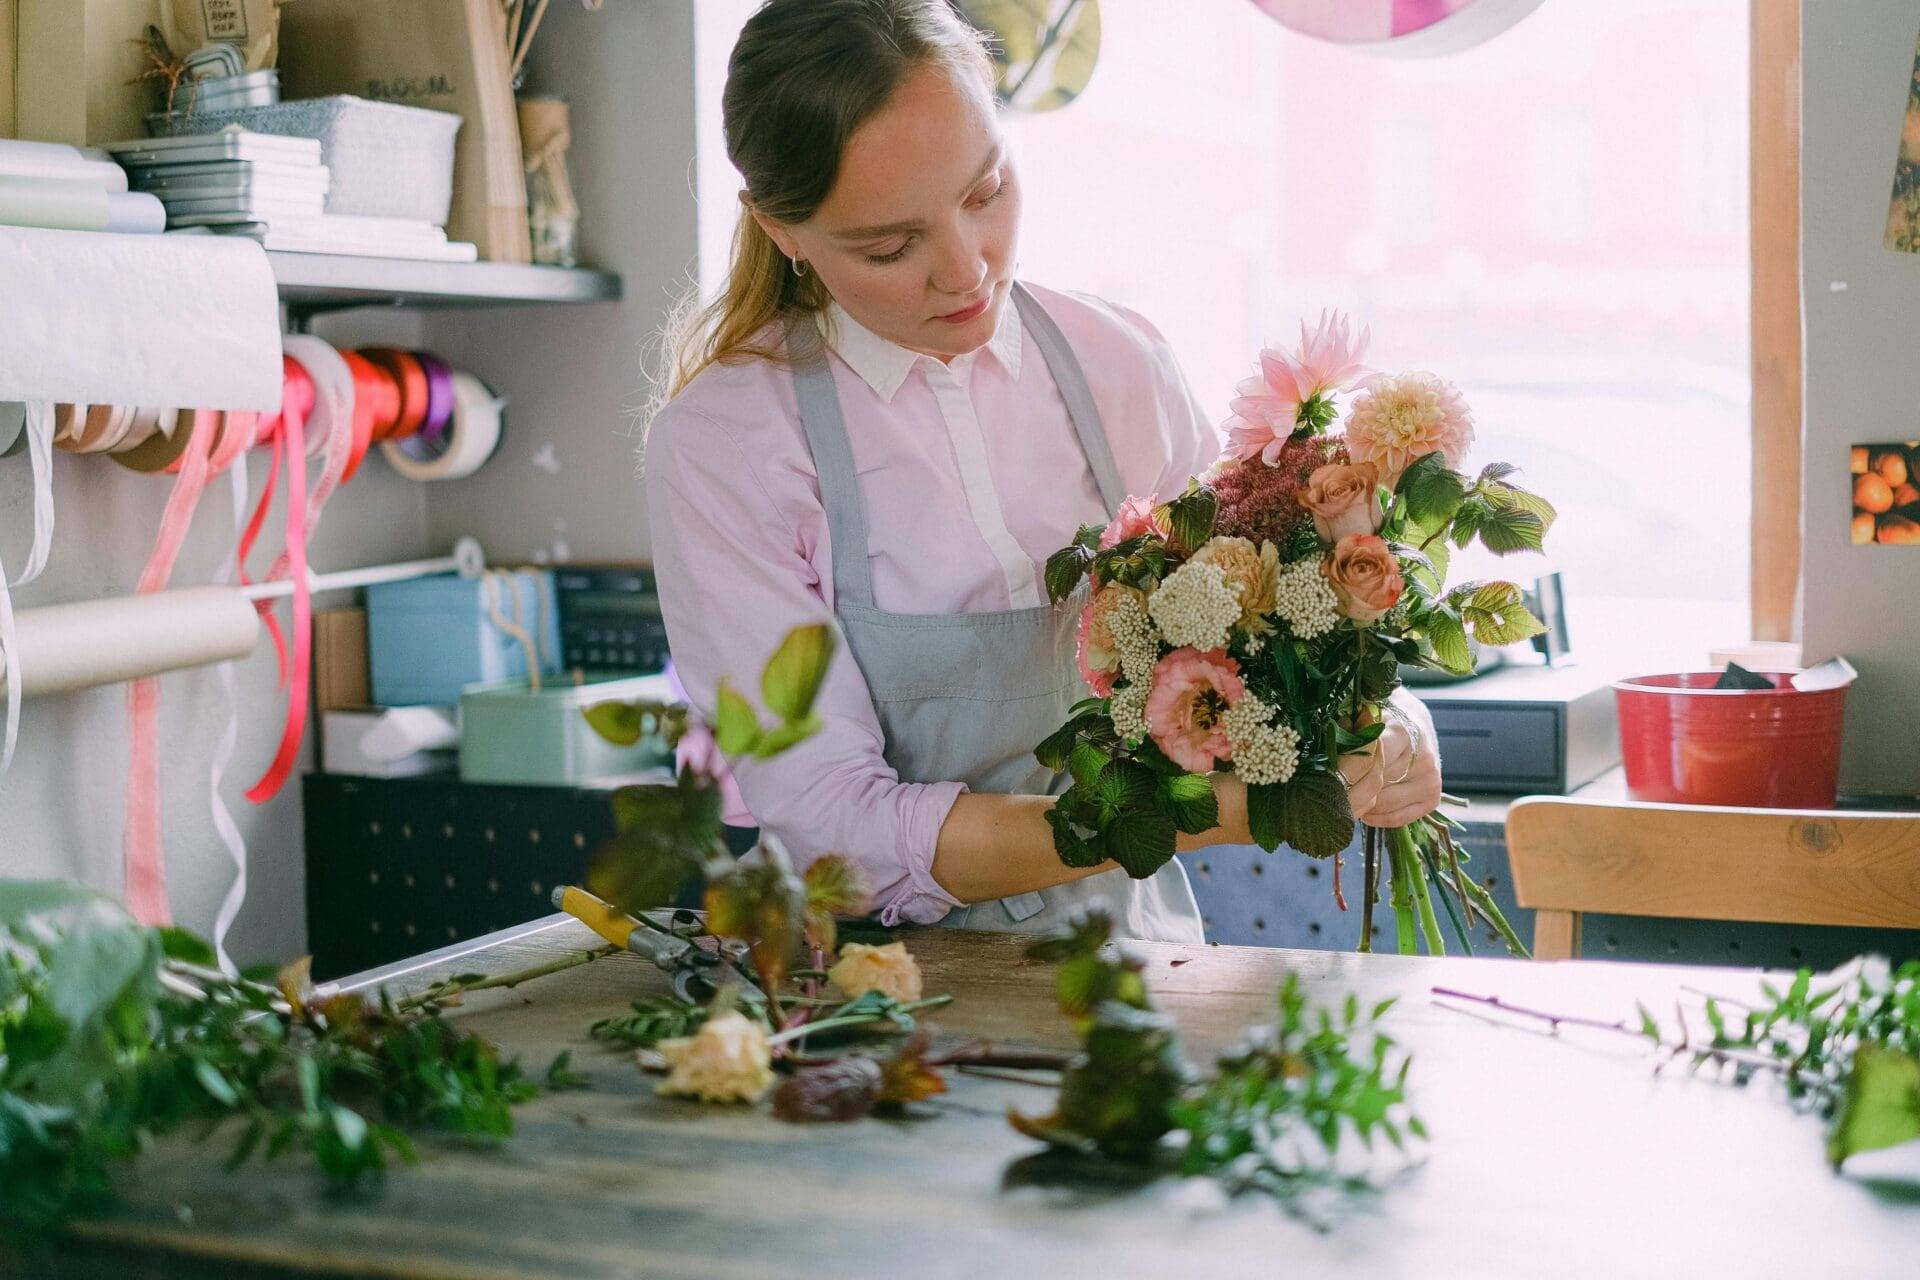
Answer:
(972, 476)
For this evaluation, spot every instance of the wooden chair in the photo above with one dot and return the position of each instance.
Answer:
(1786, 866)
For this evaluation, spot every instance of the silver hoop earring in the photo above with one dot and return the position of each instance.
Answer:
(799, 267)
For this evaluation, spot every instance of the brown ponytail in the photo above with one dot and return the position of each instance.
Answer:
(803, 76)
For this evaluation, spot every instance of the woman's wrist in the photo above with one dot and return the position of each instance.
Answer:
(1230, 794)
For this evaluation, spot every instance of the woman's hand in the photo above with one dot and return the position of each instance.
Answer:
(1230, 791)
(1396, 780)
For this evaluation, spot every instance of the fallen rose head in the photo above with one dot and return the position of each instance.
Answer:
(1344, 498)
(1365, 577)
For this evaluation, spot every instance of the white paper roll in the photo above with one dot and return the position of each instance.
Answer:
(65, 647)
(139, 320)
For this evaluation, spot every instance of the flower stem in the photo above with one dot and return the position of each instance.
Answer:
(453, 987)
(1370, 890)
(1422, 895)
(1403, 911)
(850, 1020)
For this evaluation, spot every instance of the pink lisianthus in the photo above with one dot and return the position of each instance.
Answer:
(1267, 407)
(1401, 417)
(1191, 692)
(1136, 517)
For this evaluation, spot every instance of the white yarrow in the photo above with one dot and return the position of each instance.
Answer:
(1196, 606)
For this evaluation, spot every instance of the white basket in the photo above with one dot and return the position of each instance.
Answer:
(387, 160)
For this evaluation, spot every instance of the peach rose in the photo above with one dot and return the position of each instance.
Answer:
(726, 1060)
(1364, 576)
(891, 970)
(1344, 498)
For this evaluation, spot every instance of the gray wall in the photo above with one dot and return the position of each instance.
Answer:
(572, 377)
(1862, 374)
(564, 484)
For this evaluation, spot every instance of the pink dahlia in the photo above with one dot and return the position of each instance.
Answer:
(1267, 408)
(1190, 695)
(1401, 417)
(1136, 517)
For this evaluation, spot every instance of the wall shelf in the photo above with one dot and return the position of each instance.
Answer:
(311, 283)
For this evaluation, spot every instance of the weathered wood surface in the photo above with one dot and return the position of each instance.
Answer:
(1550, 1158)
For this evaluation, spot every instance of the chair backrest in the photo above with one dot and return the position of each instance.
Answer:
(1788, 866)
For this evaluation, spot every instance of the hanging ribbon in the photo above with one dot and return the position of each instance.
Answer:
(146, 882)
(223, 749)
(38, 434)
(288, 428)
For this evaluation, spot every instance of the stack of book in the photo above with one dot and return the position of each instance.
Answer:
(270, 188)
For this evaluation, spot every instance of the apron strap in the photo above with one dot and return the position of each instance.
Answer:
(826, 430)
(1072, 381)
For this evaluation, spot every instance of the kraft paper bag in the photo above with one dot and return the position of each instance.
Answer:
(447, 55)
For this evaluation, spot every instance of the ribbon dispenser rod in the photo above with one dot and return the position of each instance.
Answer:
(68, 647)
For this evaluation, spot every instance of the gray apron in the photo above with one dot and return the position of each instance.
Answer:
(966, 697)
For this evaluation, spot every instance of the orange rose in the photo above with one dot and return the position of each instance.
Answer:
(1343, 498)
(1365, 577)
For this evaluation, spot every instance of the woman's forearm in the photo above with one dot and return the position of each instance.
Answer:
(994, 846)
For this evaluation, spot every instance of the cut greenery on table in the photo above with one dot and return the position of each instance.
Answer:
(752, 996)
(113, 1034)
(1846, 1045)
(1282, 1112)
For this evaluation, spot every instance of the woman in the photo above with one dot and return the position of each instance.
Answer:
(876, 423)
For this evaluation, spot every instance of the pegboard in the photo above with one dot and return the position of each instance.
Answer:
(398, 866)
(1252, 898)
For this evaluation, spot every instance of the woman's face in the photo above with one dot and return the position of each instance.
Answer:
(916, 239)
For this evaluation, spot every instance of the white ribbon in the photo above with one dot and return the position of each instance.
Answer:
(223, 750)
(39, 431)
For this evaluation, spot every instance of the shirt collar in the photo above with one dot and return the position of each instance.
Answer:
(884, 365)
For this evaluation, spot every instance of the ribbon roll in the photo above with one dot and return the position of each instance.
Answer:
(439, 396)
(471, 439)
(410, 379)
(376, 402)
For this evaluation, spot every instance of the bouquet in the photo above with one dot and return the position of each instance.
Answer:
(1257, 624)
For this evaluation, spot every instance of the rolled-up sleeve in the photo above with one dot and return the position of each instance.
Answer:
(735, 576)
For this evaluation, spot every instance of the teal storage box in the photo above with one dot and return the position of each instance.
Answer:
(509, 734)
(429, 638)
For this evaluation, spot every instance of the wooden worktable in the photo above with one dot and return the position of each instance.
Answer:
(1550, 1158)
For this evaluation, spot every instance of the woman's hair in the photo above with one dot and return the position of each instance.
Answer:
(803, 76)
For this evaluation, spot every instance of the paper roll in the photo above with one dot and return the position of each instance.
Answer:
(65, 647)
(139, 320)
(19, 159)
(470, 440)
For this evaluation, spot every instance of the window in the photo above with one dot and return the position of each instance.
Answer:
(1556, 220)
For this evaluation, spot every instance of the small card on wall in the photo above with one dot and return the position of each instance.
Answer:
(1886, 497)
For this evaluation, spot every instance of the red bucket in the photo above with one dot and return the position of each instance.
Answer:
(1685, 742)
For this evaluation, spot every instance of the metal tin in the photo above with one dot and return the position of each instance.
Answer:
(231, 93)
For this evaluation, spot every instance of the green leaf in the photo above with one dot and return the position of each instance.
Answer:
(1449, 639)
(1263, 816)
(1505, 530)
(642, 869)
(1880, 1107)
(1054, 748)
(785, 736)
(1089, 535)
(1190, 518)
(1123, 785)
(218, 1087)
(1312, 813)
(1347, 740)
(736, 726)
(1140, 841)
(1649, 1025)
(188, 948)
(621, 723)
(1086, 763)
(1430, 492)
(1189, 799)
(650, 807)
(1065, 568)
(794, 674)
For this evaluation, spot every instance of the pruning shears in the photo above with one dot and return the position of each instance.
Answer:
(692, 970)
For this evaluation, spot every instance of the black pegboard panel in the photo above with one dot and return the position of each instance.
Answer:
(1252, 898)
(397, 866)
